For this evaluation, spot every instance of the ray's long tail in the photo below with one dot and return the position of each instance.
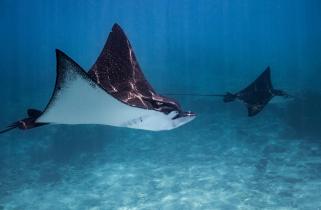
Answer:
(26, 123)
(228, 97)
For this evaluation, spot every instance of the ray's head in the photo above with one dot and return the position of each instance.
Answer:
(181, 118)
(174, 116)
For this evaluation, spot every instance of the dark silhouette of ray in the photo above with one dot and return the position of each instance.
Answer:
(257, 95)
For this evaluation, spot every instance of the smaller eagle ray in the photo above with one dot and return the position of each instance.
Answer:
(255, 96)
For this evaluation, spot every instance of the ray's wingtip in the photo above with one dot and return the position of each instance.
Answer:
(58, 51)
(268, 68)
(116, 25)
(116, 28)
(60, 54)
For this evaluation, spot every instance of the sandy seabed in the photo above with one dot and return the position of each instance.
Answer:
(218, 161)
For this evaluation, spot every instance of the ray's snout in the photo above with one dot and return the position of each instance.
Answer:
(184, 114)
(183, 118)
(189, 114)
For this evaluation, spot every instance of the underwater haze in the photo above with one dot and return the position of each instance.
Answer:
(221, 160)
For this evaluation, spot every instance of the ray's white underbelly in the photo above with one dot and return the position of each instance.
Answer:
(80, 103)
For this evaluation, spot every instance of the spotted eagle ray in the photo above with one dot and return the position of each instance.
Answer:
(114, 92)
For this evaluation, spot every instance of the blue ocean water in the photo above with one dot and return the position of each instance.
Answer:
(221, 160)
